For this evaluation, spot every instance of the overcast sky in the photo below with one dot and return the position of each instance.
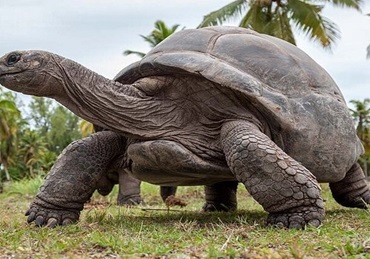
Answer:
(95, 33)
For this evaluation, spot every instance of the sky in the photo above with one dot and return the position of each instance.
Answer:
(95, 33)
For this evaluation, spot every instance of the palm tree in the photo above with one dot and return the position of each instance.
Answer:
(160, 33)
(9, 114)
(47, 160)
(277, 17)
(361, 115)
(33, 147)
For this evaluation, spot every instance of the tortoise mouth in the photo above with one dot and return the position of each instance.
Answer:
(8, 73)
(9, 78)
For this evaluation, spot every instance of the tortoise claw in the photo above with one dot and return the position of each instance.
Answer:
(31, 216)
(129, 200)
(39, 221)
(52, 223)
(297, 219)
(68, 222)
(51, 217)
(211, 207)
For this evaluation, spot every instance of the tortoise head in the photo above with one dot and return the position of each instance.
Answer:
(26, 71)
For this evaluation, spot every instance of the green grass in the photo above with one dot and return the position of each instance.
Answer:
(107, 230)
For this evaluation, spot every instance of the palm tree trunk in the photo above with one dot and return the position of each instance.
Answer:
(7, 175)
(31, 171)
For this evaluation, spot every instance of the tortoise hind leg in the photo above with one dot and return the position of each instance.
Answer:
(221, 196)
(129, 189)
(285, 189)
(167, 191)
(353, 189)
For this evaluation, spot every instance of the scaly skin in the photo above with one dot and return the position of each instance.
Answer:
(128, 186)
(74, 177)
(285, 189)
(221, 197)
(186, 110)
(352, 190)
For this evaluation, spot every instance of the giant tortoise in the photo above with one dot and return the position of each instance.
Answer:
(204, 107)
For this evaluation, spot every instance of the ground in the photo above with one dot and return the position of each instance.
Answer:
(109, 231)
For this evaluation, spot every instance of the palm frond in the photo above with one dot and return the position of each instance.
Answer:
(162, 31)
(4, 129)
(129, 52)
(355, 4)
(280, 26)
(151, 39)
(9, 106)
(263, 20)
(254, 19)
(224, 13)
(308, 19)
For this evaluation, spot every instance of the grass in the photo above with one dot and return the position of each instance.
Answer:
(109, 231)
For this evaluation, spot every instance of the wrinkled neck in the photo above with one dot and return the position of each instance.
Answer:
(97, 99)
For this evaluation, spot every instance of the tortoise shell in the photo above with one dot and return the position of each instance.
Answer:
(302, 105)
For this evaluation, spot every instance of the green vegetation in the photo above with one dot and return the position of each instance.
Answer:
(106, 230)
(361, 116)
(9, 116)
(279, 17)
(160, 33)
(29, 144)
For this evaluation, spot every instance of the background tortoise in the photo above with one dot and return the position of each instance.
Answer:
(206, 106)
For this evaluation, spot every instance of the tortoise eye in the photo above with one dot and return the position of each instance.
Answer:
(13, 58)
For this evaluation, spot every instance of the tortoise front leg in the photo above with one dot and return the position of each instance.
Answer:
(285, 189)
(74, 177)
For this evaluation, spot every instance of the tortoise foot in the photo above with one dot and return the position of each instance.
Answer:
(51, 217)
(361, 201)
(298, 219)
(352, 191)
(129, 200)
(167, 191)
(221, 196)
(211, 207)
